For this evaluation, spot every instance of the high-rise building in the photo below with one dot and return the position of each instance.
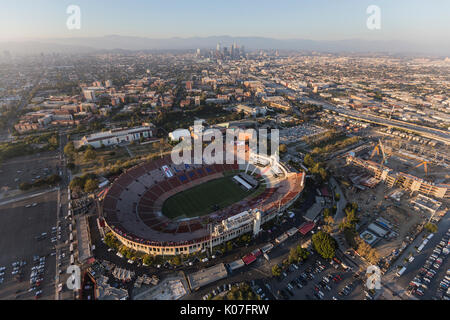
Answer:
(234, 51)
(225, 51)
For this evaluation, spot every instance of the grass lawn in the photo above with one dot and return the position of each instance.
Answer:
(200, 200)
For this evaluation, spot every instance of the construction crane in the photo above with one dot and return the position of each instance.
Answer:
(379, 150)
(424, 163)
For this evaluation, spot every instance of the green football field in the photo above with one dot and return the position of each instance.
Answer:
(200, 200)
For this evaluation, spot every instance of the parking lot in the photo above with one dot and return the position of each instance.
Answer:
(26, 169)
(26, 228)
(295, 134)
(316, 279)
(432, 279)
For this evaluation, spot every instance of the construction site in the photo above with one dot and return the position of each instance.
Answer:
(399, 183)
(409, 165)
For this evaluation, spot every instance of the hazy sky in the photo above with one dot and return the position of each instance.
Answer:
(425, 21)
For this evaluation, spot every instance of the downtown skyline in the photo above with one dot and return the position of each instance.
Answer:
(423, 23)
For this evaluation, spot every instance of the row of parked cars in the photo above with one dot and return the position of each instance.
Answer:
(37, 276)
(324, 284)
(347, 289)
(17, 271)
(309, 274)
(216, 291)
(429, 270)
(259, 291)
(2, 274)
(296, 283)
(444, 289)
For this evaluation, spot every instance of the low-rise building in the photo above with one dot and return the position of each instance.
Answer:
(116, 136)
(251, 110)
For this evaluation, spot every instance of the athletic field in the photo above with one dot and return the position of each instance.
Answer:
(202, 199)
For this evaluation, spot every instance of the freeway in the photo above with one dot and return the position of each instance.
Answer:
(427, 132)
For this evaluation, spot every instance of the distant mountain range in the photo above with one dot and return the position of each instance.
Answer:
(115, 42)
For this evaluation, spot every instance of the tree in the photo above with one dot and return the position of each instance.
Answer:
(324, 244)
(298, 254)
(25, 186)
(276, 271)
(308, 160)
(328, 227)
(363, 248)
(91, 185)
(431, 227)
(367, 252)
(293, 255)
(89, 154)
(77, 184)
(53, 140)
(373, 256)
(303, 254)
(148, 259)
(176, 260)
(111, 241)
(323, 174)
(69, 148)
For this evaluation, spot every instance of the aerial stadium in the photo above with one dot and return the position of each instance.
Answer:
(165, 209)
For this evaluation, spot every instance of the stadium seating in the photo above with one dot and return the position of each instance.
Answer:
(132, 205)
